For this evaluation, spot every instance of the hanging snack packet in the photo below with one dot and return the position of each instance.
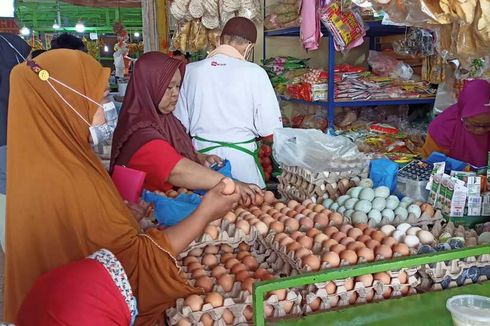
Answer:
(346, 28)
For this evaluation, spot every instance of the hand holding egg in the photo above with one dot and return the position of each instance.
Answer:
(219, 200)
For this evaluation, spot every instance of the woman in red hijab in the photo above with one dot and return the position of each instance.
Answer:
(149, 138)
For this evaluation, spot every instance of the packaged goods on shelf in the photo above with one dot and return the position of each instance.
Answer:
(285, 13)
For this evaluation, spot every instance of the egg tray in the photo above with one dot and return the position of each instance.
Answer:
(455, 272)
(324, 176)
(228, 234)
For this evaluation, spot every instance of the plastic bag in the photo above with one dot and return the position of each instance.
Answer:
(313, 150)
(170, 211)
(383, 173)
(385, 65)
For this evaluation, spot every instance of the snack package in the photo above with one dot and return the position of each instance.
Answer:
(385, 65)
(346, 28)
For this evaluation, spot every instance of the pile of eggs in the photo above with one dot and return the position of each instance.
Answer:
(412, 236)
(332, 246)
(363, 204)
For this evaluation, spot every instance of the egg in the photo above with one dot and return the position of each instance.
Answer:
(366, 280)
(244, 226)
(412, 241)
(218, 271)
(313, 232)
(184, 322)
(318, 208)
(212, 231)
(313, 261)
(287, 240)
(251, 263)
(238, 268)
(387, 229)
(268, 220)
(338, 236)
(315, 304)
(389, 241)
(379, 204)
(348, 256)
(329, 243)
(210, 260)
(193, 266)
(205, 283)
(383, 277)
(345, 241)
(243, 246)
(398, 235)
(403, 227)
(242, 276)
(331, 288)
(415, 210)
(292, 214)
(277, 227)
(353, 298)
(392, 202)
(292, 204)
(214, 299)
(285, 210)
(354, 192)
(190, 259)
(269, 197)
(332, 258)
(242, 254)
(369, 231)
(198, 273)
(260, 272)
(349, 284)
(231, 262)
(247, 284)
(321, 219)
(279, 294)
(354, 233)
(401, 249)
(382, 192)
(334, 207)
(305, 241)
(378, 236)
(206, 320)
(288, 306)
(338, 248)
(363, 206)
(369, 295)
(296, 234)
(402, 212)
(388, 214)
(365, 254)
(355, 245)
(194, 302)
(228, 317)
(279, 206)
(359, 217)
(226, 282)
(335, 218)
(211, 250)
(383, 252)
(291, 224)
(298, 217)
(342, 199)
(302, 252)
(413, 230)
(375, 215)
(319, 238)
(293, 246)
(387, 292)
(331, 230)
(306, 222)
(402, 277)
(364, 238)
(372, 244)
(425, 237)
(348, 213)
(308, 213)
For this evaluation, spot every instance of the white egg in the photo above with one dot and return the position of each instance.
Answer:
(388, 229)
(403, 227)
(412, 241)
(350, 203)
(341, 200)
(425, 237)
(392, 202)
(382, 192)
(398, 235)
(379, 203)
(366, 183)
(413, 230)
(415, 210)
(402, 212)
(374, 214)
(363, 206)
(359, 218)
(367, 194)
(389, 214)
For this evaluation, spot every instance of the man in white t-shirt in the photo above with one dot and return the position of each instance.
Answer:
(226, 102)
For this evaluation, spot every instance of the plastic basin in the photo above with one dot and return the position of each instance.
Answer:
(469, 310)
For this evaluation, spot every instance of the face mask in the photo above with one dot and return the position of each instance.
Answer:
(17, 54)
(99, 133)
(248, 52)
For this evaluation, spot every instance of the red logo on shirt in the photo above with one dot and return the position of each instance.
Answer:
(217, 64)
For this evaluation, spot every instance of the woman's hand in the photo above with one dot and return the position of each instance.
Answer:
(209, 160)
(215, 204)
(140, 210)
(248, 192)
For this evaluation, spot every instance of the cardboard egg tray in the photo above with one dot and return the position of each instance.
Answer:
(455, 272)
(228, 234)
(237, 300)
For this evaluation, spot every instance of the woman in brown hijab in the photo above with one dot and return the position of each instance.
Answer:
(62, 205)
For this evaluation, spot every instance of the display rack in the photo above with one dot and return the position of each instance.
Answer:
(374, 31)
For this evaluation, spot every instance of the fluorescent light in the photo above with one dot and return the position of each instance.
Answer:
(136, 34)
(56, 26)
(25, 31)
(106, 48)
(80, 27)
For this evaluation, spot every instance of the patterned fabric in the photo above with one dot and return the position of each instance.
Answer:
(115, 269)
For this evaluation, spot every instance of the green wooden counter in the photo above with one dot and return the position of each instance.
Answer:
(424, 309)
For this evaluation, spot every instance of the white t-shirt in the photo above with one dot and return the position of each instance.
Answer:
(226, 99)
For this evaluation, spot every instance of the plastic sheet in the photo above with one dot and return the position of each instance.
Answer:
(383, 173)
(170, 211)
(384, 65)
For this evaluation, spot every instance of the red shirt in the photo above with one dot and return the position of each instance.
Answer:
(157, 158)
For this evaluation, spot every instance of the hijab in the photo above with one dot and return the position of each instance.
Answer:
(62, 205)
(448, 129)
(140, 120)
(9, 57)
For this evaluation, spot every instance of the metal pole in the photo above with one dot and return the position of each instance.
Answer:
(331, 85)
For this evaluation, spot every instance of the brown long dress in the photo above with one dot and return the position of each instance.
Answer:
(61, 203)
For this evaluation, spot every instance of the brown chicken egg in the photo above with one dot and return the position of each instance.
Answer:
(361, 226)
(298, 217)
(389, 241)
(250, 262)
(387, 292)
(259, 199)
(279, 206)
(353, 298)
(231, 262)
(190, 259)
(283, 218)
(238, 268)
(308, 213)
(287, 240)
(268, 220)
(334, 300)
(296, 234)
(402, 277)
(369, 295)
(291, 225)
(184, 322)
(313, 261)
(288, 306)
(277, 215)
(285, 210)
(269, 197)
(330, 230)
(279, 236)
(293, 246)
(226, 256)
(211, 250)
(205, 283)
(318, 208)
(315, 304)
(305, 241)
(364, 238)
(355, 233)
(193, 266)
(299, 208)
(292, 204)
(228, 317)
(198, 273)
(319, 238)
(338, 236)
(207, 320)
(332, 258)
(401, 249)
(383, 252)
(226, 282)
(405, 290)
(280, 294)
(248, 313)
(349, 284)
(369, 231)
(218, 271)
(345, 228)
(292, 214)
(345, 241)
(248, 284)
(372, 244)
(260, 272)
(194, 302)
(215, 299)
(212, 231)
(302, 252)
(378, 236)
(329, 243)
(313, 232)
(338, 248)
(242, 254)
(335, 218)
(383, 277)
(330, 287)
(210, 260)
(243, 247)
(366, 280)
(306, 222)
(242, 276)
(348, 256)
(355, 245)
(277, 227)
(244, 226)
(261, 227)
(365, 254)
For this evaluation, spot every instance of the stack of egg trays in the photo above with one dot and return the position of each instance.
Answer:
(343, 297)
(228, 234)
(455, 273)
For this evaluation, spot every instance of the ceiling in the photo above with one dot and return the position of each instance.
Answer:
(41, 14)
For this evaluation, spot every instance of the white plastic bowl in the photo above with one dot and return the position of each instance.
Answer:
(469, 310)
